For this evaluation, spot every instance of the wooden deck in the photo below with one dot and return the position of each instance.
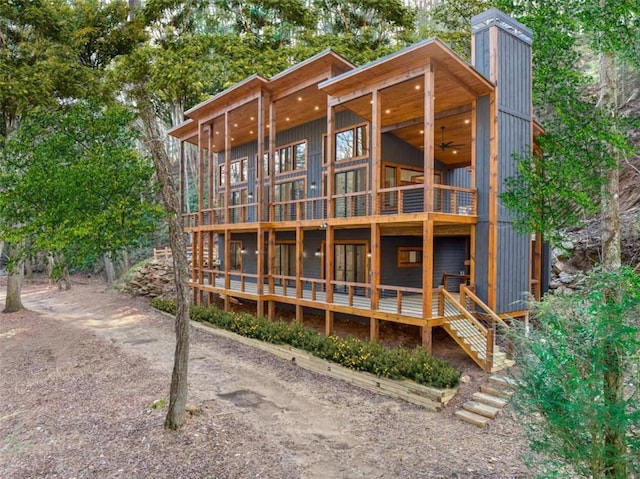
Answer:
(393, 307)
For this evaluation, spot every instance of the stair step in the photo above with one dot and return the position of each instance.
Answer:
(502, 381)
(481, 409)
(489, 400)
(497, 392)
(472, 418)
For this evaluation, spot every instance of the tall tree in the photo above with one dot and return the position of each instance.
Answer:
(72, 183)
(50, 52)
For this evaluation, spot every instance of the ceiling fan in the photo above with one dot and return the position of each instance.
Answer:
(448, 144)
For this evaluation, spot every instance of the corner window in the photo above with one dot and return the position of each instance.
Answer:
(351, 143)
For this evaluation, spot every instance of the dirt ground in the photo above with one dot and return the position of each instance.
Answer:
(81, 369)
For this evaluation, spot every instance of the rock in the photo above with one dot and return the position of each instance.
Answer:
(465, 379)
(566, 278)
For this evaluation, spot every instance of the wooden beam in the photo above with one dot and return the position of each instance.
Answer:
(227, 275)
(227, 169)
(379, 85)
(427, 280)
(376, 151)
(181, 178)
(260, 196)
(329, 253)
(492, 276)
(429, 141)
(376, 253)
(270, 271)
(272, 156)
(330, 156)
(420, 121)
(299, 271)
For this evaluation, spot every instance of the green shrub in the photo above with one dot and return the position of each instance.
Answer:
(369, 356)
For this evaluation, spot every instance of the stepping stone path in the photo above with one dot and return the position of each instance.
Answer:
(487, 403)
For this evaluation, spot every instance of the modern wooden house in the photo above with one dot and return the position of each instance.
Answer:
(372, 191)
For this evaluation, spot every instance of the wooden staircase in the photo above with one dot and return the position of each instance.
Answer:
(473, 330)
(487, 403)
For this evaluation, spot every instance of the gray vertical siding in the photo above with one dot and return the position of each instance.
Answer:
(514, 137)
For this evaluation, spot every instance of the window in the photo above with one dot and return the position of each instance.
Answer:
(409, 257)
(265, 163)
(235, 255)
(237, 199)
(351, 143)
(292, 190)
(238, 171)
(286, 195)
(291, 157)
(285, 259)
(351, 181)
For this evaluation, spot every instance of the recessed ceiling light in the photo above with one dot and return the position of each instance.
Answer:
(236, 125)
(232, 139)
(217, 132)
(422, 132)
(251, 132)
(370, 102)
(299, 98)
(288, 119)
(417, 87)
(267, 125)
(455, 152)
(252, 118)
(387, 111)
(467, 121)
(316, 107)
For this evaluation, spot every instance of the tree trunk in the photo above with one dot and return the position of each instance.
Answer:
(156, 144)
(109, 270)
(615, 463)
(13, 301)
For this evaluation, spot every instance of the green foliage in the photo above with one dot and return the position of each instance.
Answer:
(564, 389)
(72, 182)
(398, 363)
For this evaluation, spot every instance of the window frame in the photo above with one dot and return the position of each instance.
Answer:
(402, 263)
(290, 164)
(234, 244)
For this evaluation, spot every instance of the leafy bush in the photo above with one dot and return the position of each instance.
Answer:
(397, 363)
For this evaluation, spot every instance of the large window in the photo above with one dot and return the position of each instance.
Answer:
(238, 172)
(286, 195)
(347, 182)
(235, 256)
(351, 143)
(285, 259)
(238, 212)
(291, 157)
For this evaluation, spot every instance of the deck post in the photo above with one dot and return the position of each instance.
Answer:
(329, 253)
(299, 272)
(260, 271)
(227, 263)
(429, 142)
(374, 275)
(195, 271)
(271, 268)
(427, 281)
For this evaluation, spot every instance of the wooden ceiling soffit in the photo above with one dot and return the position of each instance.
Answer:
(312, 71)
(229, 99)
(385, 81)
(420, 121)
(230, 107)
(185, 131)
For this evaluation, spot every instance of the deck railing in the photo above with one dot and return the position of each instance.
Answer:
(410, 199)
(303, 209)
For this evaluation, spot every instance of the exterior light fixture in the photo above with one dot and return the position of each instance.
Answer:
(243, 251)
(318, 253)
(250, 196)
(324, 226)
(313, 185)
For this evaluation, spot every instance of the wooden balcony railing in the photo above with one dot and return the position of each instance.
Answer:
(304, 209)
(410, 199)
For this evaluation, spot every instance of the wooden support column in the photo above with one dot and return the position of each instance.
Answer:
(427, 281)
(211, 175)
(194, 265)
(201, 156)
(492, 276)
(271, 268)
(227, 168)
(331, 155)
(329, 251)
(260, 271)
(210, 276)
(227, 264)
(263, 99)
(429, 142)
(299, 272)
(272, 155)
(376, 151)
(375, 263)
